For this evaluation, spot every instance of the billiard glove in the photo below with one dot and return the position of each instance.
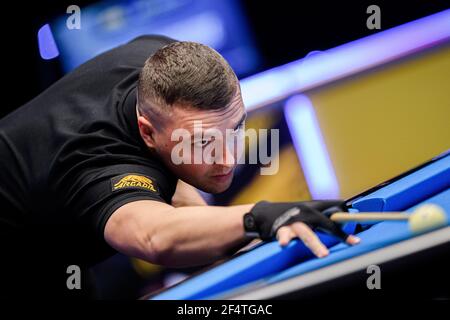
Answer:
(265, 218)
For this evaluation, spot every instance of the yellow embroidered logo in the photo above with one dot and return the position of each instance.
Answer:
(133, 181)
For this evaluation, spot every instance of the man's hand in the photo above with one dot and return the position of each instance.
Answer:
(186, 196)
(292, 220)
(308, 237)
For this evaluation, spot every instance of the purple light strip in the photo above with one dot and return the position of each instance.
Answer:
(310, 147)
(344, 60)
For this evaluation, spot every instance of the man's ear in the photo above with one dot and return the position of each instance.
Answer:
(147, 131)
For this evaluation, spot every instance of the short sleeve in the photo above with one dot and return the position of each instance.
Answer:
(96, 194)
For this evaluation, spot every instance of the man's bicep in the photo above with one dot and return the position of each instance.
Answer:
(129, 229)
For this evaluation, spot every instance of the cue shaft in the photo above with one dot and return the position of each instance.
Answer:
(369, 216)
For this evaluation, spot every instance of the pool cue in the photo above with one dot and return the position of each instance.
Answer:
(369, 216)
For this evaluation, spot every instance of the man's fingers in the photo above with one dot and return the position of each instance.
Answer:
(285, 235)
(334, 229)
(310, 239)
(352, 240)
(331, 227)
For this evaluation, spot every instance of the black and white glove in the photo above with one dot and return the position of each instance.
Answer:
(265, 218)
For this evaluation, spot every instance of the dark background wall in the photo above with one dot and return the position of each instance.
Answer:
(283, 31)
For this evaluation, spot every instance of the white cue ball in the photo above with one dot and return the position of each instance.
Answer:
(427, 217)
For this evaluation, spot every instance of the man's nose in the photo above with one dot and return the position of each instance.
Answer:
(229, 159)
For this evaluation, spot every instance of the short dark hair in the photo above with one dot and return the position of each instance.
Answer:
(189, 74)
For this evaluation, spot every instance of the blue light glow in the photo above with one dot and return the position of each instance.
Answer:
(107, 24)
(47, 46)
(310, 147)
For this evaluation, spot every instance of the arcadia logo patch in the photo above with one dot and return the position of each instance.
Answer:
(133, 181)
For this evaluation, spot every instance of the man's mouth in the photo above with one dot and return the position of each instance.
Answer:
(223, 177)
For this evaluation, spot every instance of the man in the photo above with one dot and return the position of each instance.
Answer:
(87, 170)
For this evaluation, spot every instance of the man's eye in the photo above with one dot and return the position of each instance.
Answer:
(239, 127)
(202, 143)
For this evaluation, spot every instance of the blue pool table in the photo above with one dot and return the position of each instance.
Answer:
(269, 271)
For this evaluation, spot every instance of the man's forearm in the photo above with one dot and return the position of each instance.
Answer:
(190, 236)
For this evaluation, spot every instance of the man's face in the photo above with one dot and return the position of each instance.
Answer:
(228, 126)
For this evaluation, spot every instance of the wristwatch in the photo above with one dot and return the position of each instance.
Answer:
(250, 227)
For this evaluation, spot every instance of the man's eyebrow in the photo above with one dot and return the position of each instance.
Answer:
(241, 120)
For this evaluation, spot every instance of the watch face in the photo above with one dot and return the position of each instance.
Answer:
(249, 222)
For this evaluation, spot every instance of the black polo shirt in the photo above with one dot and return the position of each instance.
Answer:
(70, 158)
